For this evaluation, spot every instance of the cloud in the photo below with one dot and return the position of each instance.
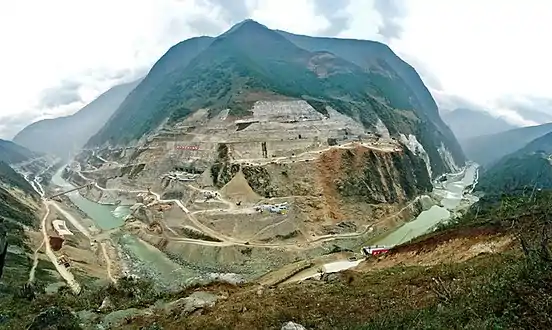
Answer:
(505, 110)
(66, 92)
(453, 58)
(9, 126)
(204, 26)
(333, 11)
(429, 78)
(391, 11)
(535, 109)
(232, 12)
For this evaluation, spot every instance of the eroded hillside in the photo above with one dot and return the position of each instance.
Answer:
(333, 175)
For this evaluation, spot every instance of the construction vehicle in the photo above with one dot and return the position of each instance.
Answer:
(63, 260)
(374, 250)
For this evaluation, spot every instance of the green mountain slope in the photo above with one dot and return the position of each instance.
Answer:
(11, 178)
(64, 135)
(487, 149)
(527, 169)
(398, 81)
(469, 123)
(138, 113)
(250, 58)
(12, 153)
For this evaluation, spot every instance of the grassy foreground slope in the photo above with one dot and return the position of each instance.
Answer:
(490, 270)
(505, 288)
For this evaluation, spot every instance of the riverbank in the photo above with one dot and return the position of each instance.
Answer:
(452, 200)
(175, 263)
(446, 202)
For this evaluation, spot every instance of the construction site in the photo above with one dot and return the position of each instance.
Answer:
(250, 195)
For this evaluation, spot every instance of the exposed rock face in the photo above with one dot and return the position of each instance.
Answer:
(358, 174)
(195, 301)
(293, 326)
(283, 153)
(140, 212)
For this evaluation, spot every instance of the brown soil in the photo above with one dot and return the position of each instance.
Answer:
(238, 189)
(448, 247)
(456, 261)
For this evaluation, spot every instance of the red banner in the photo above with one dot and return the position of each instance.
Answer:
(187, 147)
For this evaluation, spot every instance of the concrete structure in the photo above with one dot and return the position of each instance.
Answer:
(61, 228)
(273, 208)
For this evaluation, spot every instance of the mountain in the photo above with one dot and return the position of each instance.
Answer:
(12, 153)
(536, 116)
(469, 123)
(11, 178)
(65, 135)
(525, 169)
(134, 113)
(361, 79)
(488, 149)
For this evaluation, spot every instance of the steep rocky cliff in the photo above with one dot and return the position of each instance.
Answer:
(342, 182)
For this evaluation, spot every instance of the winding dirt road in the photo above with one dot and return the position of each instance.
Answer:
(230, 241)
(67, 276)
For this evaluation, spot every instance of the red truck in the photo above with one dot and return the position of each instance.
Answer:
(374, 250)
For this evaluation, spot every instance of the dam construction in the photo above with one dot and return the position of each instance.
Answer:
(218, 195)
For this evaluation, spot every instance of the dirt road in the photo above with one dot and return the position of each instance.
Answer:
(67, 276)
(108, 262)
(229, 241)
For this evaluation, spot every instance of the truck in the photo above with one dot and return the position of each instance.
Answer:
(375, 250)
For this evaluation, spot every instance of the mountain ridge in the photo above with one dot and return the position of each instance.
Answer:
(252, 58)
(469, 123)
(12, 153)
(487, 149)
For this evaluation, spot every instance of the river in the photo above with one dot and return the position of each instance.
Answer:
(451, 193)
(155, 264)
(104, 216)
(145, 260)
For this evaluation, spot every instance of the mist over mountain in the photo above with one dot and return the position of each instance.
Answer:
(468, 123)
(525, 169)
(66, 135)
(488, 149)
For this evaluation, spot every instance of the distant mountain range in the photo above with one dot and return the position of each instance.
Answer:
(65, 135)
(469, 123)
(12, 153)
(487, 149)
(525, 169)
(362, 79)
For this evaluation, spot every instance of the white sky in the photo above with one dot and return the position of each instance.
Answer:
(479, 50)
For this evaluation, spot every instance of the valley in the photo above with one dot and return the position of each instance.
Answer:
(259, 179)
(225, 209)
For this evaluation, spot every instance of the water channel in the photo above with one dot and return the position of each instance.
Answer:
(154, 263)
(452, 194)
(147, 260)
